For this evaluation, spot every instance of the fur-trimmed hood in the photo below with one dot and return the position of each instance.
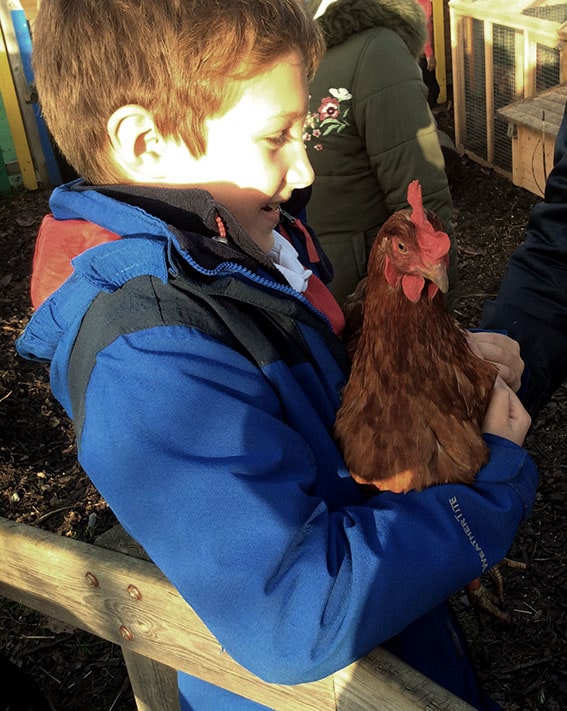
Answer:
(345, 18)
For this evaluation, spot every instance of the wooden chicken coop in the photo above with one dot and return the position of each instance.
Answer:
(503, 51)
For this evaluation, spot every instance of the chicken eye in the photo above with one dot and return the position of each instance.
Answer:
(402, 247)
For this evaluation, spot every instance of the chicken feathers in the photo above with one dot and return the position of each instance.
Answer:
(415, 400)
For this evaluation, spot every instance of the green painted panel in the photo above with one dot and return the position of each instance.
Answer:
(5, 185)
(7, 150)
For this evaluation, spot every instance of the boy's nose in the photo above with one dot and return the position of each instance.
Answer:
(300, 173)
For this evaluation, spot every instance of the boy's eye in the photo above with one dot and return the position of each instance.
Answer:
(279, 140)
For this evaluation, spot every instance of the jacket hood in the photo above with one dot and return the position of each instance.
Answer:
(345, 18)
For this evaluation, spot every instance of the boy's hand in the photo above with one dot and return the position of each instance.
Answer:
(505, 415)
(501, 350)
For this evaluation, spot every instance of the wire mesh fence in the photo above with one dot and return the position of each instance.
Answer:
(502, 52)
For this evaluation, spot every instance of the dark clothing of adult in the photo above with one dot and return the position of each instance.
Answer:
(531, 304)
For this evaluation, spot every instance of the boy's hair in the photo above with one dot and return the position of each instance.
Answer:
(179, 59)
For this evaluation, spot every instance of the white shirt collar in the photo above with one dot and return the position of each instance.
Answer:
(286, 260)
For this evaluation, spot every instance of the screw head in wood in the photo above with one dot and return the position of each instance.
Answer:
(126, 634)
(134, 592)
(91, 579)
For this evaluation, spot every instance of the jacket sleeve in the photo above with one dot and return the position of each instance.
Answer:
(531, 303)
(400, 134)
(195, 452)
(428, 10)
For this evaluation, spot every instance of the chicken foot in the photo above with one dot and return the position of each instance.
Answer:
(486, 601)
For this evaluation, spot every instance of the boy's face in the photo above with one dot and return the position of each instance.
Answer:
(255, 154)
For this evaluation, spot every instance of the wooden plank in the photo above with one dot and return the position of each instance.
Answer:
(356, 688)
(540, 31)
(20, 57)
(520, 74)
(11, 104)
(30, 7)
(129, 602)
(482, 161)
(91, 588)
(530, 64)
(489, 90)
(516, 172)
(154, 685)
(457, 63)
(562, 37)
(7, 7)
(532, 159)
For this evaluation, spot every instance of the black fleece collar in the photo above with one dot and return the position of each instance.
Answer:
(193, 216)
(188, 210)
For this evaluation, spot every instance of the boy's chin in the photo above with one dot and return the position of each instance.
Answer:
(263, 236)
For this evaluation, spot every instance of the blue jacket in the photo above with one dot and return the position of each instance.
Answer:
(203, 391)
(532, 300)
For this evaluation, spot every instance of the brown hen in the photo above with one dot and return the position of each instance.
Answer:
(416, 397)
(415, 400)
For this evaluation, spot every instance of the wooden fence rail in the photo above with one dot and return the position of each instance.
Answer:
(126, 600)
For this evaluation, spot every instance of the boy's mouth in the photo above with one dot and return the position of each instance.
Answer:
(273, 206)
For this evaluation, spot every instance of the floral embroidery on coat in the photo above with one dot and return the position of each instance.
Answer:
(331, 117)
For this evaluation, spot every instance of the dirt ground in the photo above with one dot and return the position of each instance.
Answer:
(522, 664)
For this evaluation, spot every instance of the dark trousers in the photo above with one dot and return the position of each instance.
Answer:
(430, 81)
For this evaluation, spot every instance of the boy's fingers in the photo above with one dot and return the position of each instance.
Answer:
(501, 350)
(505, 415)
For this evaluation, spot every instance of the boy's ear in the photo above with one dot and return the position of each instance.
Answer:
(137, 145)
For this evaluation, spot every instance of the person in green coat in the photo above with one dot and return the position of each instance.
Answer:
(370, 131)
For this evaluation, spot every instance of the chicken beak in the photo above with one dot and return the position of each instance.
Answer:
(437, 274)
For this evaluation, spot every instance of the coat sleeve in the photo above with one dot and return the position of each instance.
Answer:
(531, 303)
(399, 130)
(428, 10)
(201, 457)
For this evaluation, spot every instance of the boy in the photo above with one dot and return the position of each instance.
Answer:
(199, 358)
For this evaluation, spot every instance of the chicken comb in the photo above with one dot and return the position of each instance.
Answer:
(433, 243)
